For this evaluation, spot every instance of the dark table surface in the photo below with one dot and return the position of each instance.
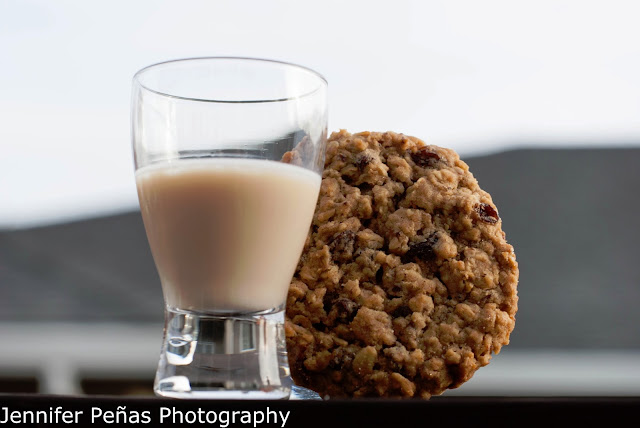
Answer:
(454, 411)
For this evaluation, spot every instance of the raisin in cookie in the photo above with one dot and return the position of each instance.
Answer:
(406, 284)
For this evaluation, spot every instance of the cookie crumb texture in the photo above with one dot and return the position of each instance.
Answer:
(406, 285)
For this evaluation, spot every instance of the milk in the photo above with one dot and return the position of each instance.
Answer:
(226, 234)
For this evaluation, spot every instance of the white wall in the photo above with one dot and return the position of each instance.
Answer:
(470, 75)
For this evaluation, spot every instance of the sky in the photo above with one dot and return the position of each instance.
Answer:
(477, 77)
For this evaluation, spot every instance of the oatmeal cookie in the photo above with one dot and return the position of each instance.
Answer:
(406, 285)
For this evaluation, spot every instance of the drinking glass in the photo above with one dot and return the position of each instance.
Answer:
(228, 155)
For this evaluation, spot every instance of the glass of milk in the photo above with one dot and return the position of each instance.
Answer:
(228, 154)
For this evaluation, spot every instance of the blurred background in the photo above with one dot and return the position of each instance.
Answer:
(541, 98)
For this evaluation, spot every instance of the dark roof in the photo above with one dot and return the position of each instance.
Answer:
(572, 217)
(92, 270)
(570, 214)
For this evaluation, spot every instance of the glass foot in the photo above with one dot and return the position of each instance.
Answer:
(223, 357)
(299, 393)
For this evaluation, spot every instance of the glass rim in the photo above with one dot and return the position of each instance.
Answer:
(139, 73)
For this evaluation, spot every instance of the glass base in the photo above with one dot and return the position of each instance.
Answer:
(225, 357)
(300, 393)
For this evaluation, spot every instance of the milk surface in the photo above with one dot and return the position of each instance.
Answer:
(226, 234)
